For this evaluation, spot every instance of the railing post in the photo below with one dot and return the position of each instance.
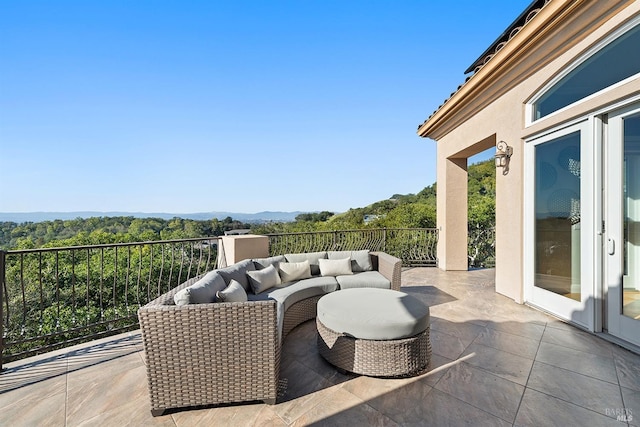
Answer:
(384, 239)
(2, 287)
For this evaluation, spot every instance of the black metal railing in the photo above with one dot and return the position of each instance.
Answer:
(481, 249)
(414, 246)
(55, 297)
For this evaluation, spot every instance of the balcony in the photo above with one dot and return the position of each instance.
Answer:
(495, 363)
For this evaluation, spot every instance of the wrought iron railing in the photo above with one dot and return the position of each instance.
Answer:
(58, 296)
(54, 297)
(481, 250)
(414, 246)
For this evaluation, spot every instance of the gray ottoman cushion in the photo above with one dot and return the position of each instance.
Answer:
(367, 279)
(373, 314)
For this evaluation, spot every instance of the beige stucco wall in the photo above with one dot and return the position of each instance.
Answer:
(238, 248)
(504, 119)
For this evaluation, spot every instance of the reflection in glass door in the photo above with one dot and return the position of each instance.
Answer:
(557, 210)
(559, 233)
(623, 226)
(631, 218)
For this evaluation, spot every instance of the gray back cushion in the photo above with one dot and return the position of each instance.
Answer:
(201, 292)
(238, 272)
(312, 257)
(261, 263)
(360, 260)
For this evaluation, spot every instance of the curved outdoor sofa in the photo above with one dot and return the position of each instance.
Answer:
(202, 352)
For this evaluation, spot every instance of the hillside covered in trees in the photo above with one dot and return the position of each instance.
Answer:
(399, 211)
(105, 230)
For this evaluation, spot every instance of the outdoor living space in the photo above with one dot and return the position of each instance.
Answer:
(494, 362)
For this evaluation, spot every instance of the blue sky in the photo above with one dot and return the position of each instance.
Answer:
(243, 106)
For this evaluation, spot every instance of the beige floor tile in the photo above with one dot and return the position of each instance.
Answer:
(134, 412)
(587, 392)
(343, 409)
(94, 392)
(531, 331)
(446, 410)
(437, 369)
(465, 332)
(577, 340)
(628, 369)
(589, 364)
(304, 390)
(405, 405)
(232, 415)
(539, 409)
(368, 388)
(481, 389)
(505, 365)
(35, 411)
(30, 387)
(446, 345)
(631, 400)
(508, 342)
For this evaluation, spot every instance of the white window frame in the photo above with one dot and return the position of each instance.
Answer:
(529, 106)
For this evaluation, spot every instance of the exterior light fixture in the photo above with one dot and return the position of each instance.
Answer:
(503, 155)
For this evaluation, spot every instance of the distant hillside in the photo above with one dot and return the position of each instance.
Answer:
(407, 210)
(260, 217)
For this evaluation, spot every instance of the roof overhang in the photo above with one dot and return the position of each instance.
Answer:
(514, 61)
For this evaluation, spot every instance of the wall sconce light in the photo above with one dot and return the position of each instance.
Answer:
(503, 155)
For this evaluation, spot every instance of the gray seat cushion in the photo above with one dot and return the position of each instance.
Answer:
(366, 279)
(373, 314)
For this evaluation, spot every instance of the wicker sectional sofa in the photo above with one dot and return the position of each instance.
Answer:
(203, 353)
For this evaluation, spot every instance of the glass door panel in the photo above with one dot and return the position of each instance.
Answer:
(623, 225)
(557, 213)
(559, 232)
(631, 218)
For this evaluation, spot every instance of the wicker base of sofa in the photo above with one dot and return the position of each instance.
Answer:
(299, 313)
(203, 354)
(389, 358)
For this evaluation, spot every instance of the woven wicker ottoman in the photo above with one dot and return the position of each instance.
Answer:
(374, 332)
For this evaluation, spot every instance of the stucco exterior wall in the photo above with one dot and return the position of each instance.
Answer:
(504, 119)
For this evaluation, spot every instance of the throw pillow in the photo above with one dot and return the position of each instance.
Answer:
(335, 267)
(360, 260)
(201, 292)
(233, 293)
(312, 257)
(261, 280)
(238, 272)
(290, 271)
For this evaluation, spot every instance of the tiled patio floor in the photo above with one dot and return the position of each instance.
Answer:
(495, 363)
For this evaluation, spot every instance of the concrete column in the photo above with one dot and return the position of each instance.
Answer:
(452, 214)
(248, 246)
(509, 224)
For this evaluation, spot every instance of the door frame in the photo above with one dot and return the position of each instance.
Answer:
(614, 322)
(580, 312)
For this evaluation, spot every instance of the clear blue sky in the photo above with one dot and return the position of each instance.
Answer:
(244, 106)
